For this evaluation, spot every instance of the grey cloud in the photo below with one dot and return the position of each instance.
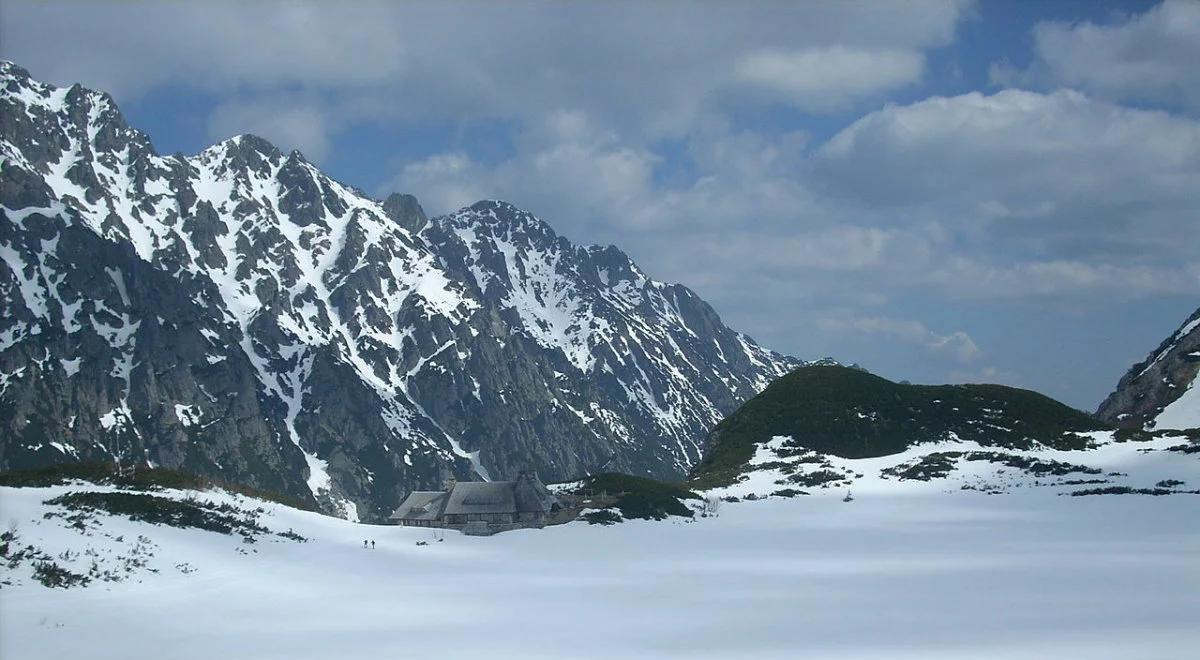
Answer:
(975, 278)
(651, 67)
(567, 167)
(1148, 57)
(287, 121)
(129, 48)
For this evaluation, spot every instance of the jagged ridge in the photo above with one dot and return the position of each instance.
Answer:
(240, 314)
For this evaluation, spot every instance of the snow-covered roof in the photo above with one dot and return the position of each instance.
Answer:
(421, 505)
(525, 495)
(482, 497)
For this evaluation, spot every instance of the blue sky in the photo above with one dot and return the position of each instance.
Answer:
(940, 191)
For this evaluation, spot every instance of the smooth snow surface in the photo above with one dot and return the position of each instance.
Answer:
(1182, 413)
(923, 575)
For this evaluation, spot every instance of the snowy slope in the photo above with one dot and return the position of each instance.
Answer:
(921, 575)
(1182, 413)
(1161, 391)
(239, 313)
(1162, 465)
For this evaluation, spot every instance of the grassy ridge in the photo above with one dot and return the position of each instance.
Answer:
(142, 478)
(854, 414)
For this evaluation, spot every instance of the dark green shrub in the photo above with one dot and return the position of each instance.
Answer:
(602, 517)
(52, 575)
(220, 518)
(640, 497)
(817, 478)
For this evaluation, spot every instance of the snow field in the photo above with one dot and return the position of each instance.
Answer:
(926, 575)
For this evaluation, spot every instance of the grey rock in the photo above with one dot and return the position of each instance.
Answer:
(406, 211)
(1154, 383)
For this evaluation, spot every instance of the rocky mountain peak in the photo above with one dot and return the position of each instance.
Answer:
(405, 211)
(240, 314)
(502, 219)
(613, 267)
(245, 152)
(12, 71)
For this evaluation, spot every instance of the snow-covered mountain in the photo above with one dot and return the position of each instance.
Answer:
(1161, 392)
(242, 315)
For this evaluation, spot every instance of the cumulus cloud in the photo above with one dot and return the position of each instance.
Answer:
(1056, 177)
(828, 79)
(1144, 57)
(1013, 148)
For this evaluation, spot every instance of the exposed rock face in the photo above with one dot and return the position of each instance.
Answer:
(1160, 392)
(241, 315)
(406, 211)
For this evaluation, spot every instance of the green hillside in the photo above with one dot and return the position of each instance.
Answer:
(854, 414)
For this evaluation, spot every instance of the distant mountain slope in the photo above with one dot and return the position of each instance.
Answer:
(240, 314)
(1160, 392)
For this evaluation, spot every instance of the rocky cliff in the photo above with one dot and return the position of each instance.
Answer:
(1160, 391)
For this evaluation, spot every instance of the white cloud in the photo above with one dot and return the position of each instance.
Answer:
(446, 182)
(1027, 176)
(566, 168)
(961, 142)
(1145, 57)
(828, 79)
(957, 345)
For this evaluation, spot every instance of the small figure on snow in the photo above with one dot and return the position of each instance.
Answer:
(848, 497)
(372, 545)
(364, 543)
